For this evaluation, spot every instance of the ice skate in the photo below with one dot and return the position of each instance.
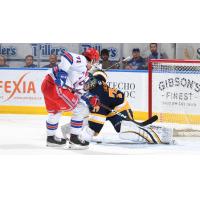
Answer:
(76, 143)
(53, 141)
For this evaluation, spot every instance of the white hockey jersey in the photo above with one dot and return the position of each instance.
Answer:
(75, 66)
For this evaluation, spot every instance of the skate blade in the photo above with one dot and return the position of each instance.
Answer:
(54, 145)
(70, 146)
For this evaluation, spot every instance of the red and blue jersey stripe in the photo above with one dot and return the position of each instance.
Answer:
(76, 124)
(68, 56)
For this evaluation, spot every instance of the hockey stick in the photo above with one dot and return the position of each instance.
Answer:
(144, 123)
(125, 59)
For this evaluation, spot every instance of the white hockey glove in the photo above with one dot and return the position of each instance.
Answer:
(95, 67)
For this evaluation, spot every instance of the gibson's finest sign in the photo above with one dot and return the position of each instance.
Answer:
(178, 93)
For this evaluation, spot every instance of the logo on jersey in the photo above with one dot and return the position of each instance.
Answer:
(13, 87)
(78, 59)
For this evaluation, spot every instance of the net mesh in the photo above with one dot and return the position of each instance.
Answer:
(176, 95)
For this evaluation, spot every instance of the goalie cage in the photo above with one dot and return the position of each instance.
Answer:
(174, 94)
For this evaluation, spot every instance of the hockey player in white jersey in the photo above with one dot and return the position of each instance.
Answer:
(81, 111)
(62, 89)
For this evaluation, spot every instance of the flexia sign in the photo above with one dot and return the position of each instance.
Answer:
(14, 87)
(21, 87)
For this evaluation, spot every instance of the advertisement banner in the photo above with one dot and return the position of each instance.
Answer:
(113, 48)
(133, 84)
(176, 92)
(16, 52)
(21, 87)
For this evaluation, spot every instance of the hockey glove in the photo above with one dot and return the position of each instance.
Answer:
(91, 100)
(94, 101)
(60, 76)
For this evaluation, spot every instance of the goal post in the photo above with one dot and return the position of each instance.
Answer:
(174, 92)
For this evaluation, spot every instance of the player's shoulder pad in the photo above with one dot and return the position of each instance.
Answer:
(67, 55)
(78, 59)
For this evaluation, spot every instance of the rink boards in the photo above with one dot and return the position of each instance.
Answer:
(20, 93)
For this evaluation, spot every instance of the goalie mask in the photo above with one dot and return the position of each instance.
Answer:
(95, 79)
(91, 83)
(100, 75)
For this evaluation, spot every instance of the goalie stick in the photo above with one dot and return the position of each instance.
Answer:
(144, 123)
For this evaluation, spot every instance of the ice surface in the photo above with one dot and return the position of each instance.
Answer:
(25, 134)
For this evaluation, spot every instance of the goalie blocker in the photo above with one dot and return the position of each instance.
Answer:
(115, 99)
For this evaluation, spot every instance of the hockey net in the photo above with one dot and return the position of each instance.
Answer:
(174, 94)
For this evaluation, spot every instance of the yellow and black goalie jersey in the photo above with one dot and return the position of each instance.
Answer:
(112, 98)
(108, 96)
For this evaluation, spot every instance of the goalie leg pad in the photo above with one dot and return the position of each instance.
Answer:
(130, 131)
(150, 134)
(132, 136)
(163, 135)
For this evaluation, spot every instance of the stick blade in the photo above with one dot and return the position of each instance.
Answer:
(147, 122)
(150, 120)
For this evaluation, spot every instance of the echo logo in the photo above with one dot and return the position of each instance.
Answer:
(16, 87)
